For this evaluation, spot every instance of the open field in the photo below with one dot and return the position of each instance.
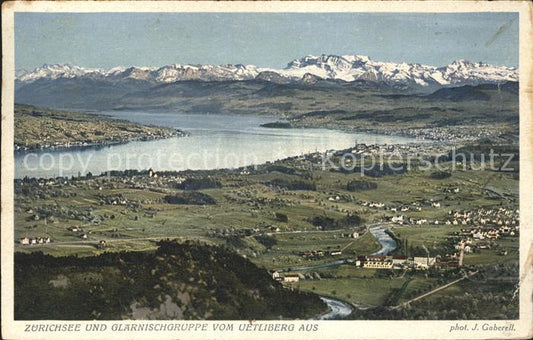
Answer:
(365, 292)
(278, 214)
(109, 208)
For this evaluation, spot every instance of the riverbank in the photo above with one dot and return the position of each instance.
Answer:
(338, 310)
(388, 244)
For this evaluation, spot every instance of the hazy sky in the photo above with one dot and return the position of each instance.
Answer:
(263, 39)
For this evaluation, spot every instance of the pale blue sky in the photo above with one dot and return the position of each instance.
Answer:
(263, 39)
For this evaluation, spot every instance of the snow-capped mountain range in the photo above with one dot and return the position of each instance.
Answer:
(331, 67)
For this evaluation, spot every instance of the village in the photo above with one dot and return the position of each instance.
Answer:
(453, 134)
(42, 129)
(243, 190)
(306, 220)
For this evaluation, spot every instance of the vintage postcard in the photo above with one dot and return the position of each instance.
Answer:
(298, 170)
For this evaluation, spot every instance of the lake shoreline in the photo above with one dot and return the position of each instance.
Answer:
(97, 144)
(180, 133)
(41, 129)
(215, 142)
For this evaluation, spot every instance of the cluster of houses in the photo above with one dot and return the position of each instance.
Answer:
(481, 237)
(371, 204)
(404, 150)
(315, 160)
(25, 241)
(486, 217)
(34, 240)
(489, 233)
(450, 190)
(500, 217)
(395, 262)
(402, 219)
(456, 133)
(225, 232)
(92, 141)
(119, 200)
(49, 213)
(415, 206)
(108, 180)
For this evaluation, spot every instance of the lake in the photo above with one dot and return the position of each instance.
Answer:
(215, 141)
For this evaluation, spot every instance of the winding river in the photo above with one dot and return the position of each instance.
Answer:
(388, 244)
(339, 309)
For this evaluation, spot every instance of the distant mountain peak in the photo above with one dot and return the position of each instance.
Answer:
(306, 69)
(464, 63)
(54, 71)
(310, 78)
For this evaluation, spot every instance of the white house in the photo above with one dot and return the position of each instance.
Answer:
(397, 219)
(291, 278)
(423, 262)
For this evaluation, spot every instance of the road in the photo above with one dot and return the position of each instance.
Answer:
(315, 266)
(162, 237)
(95, 242)
(434, 291)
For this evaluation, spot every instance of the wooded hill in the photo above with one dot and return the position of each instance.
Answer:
(178, 281)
